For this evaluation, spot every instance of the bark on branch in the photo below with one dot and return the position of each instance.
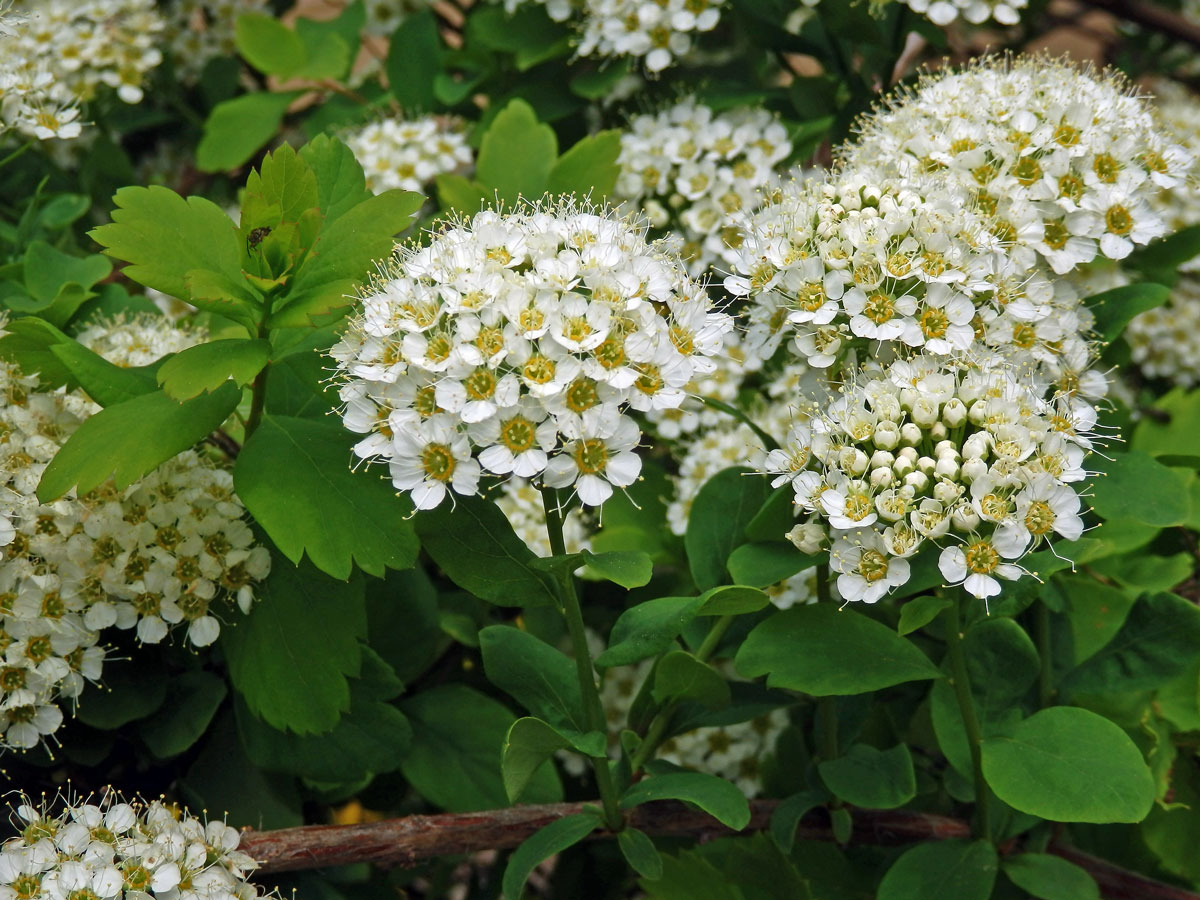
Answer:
(410, 840)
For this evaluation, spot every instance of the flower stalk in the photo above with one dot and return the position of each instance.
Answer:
(982, 825)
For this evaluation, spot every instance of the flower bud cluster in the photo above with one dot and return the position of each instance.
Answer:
(516, 343)
(410, 154)
(969, 458)
(198, 31)
(106, 848)
(1063, 162)
(169, 550)
(57, 54)
(692, 170)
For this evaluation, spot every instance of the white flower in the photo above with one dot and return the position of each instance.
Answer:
(598, 458)
(979, 562)
(431, 458)
(868, 570)
(410, 154)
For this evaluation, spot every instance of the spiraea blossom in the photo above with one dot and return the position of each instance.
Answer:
(516, 344)
(944, 12)
(967, 457)
(198, 31)
(1063, 162)
(410, 154)
(1165, 342)
(1179, 109)
(106, 848)
(138, 340)
(692, 170)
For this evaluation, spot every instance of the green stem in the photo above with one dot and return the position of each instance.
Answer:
(1046, 654)
(593, 708)
(658, 725)
(966, 707)
(6, 160)
(258, 390)
(823, 594)
(769, 442)
(826, 706)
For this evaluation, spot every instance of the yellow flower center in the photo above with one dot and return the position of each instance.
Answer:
(1118, 220)
(438, 462)
(518, 434)
(591, 456)
(1039, 518)
(581, 395)
(872, 565)
(982, 558)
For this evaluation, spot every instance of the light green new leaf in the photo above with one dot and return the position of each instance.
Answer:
(589, 168)
(474, 543)
(164, 237)
(222, 294)
(541, 845)
(454, 761)
(1049, 877)
(462, 195)
(105, 383)
(959, 869)
(1137, 486)
(290, 658)
(294, 477)
(129, 439)
(719, 798)
(531, 742)
(205, 367)
(284, 183)
(807, 649)
(29, 345)
(539, 677)
(327, 54)
(1070, 765)
(517, 154)
(48, 271)
(237, 128)
(343, 256)
(341, 184)
(268, 44)
(870, 778)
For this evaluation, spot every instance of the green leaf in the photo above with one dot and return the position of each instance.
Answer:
(1173, 834)
(680, 676)
(327, 54)
(874, 779)
(455, 757)
(960, 869)
(767, 563)
(732, 600)
(413, 61)
(1136, 486)
(462, 195)
(530, 742)
(105, 383)
(294, 477)
(589, 168)
(343, 256)
(641, 854)
(341, 184)
(290, 658)
(1113, 309)
(789, 813)
(1049, 877)
(48, 271)
(268, 44)
(920, 611)
(1069, 765)
(716, 796)
(628, 568)
(164, 237)
(129, 693)
(598, 83)
(206, 367)
(193, 698)
(474, 543)
(809, 649)
(1168, 253)
(517, 154)
(647, 629)
(723, 508)
(237, 128)
(774, 518)
(29, 346)
(1148, 572)
(533, 673)
(218, 293)
(370, 738)
(1096, 612)
(690, 877)
(543, 844)
(129, 439)
(283, 184)
(1159, 640)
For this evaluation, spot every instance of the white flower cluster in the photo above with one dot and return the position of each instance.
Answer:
(201, 30)
(56, 55)
(692, 170)
(514, 344)
(106, 848)
(1179, 110)
(168, 550)
(971, 459)
(944, 12)
(138, 340)
(658, 34)
(734, 752)
(521, 504)
(1063, 162)
(410, 154)
(1165, 342)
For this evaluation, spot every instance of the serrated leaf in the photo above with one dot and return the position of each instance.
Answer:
(294, 477)
(716, 796)
(589, 168)
(29, 346)
(541, 845)
(236, 129)
(284, 183)
(129, 439)
(48, 270)
(341, 184)
(291, 657)
(105, 383)
(205, 367)
(517, 154)
(458, 193)
(223, 294)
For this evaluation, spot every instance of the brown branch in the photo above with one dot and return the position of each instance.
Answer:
(1152, 16)
(412, 839)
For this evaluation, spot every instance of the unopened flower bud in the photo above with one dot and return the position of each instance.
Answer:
(881, 458)
(954, 413)
(976, 445)
(964, 518)
(947, 467)
(911, 434)
(946, 492)
(945, 448)
(903, 465)
(924, 412)
(926, 464)
(918, 481)
(938, 431)
(887, 436)
(973, 467)
(881, 476)
(807, 537)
